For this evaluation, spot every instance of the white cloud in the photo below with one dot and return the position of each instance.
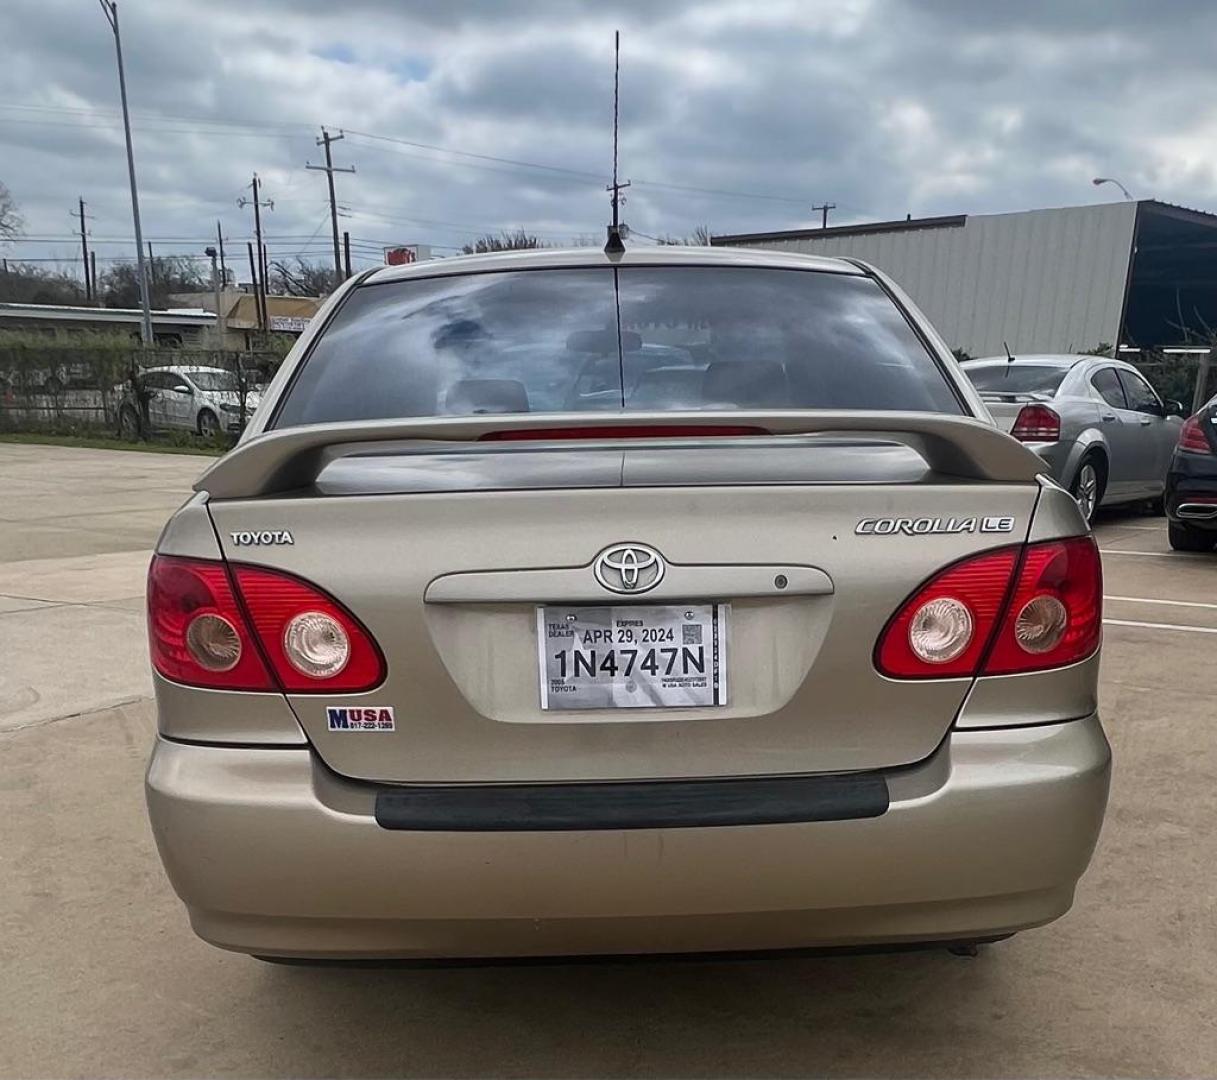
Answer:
(881, 106)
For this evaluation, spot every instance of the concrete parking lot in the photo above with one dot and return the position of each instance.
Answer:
(102, 976)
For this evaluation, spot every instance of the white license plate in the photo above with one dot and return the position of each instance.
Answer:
(633, 656)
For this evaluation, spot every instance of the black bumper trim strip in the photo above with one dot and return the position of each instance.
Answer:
(653, 804)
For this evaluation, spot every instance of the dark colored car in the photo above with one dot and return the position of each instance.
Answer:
(1191, 483)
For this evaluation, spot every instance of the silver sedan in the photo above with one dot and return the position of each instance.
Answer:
(1102, 429)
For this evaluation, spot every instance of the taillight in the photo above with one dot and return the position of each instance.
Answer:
(1004, 611)
(196, 629)
(313, 643)
(1055, 615)
(205, 632)
(924, 625)
(1192, 437)
(1036, 423)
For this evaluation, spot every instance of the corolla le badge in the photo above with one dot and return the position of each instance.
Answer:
(928, 526)
(629, 568)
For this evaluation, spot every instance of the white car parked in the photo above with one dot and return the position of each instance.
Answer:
(203, 400)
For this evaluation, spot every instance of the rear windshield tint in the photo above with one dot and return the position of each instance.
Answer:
(1016, 378)
(601, 340)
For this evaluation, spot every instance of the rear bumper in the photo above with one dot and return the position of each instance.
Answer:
(1191, 488)
(274, 855)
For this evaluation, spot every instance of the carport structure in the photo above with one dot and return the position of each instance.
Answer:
(1171, 284)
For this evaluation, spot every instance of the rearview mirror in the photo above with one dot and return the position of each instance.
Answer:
(1174, 408)
(182, 388)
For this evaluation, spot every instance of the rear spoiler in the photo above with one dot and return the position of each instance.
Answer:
(290, 458)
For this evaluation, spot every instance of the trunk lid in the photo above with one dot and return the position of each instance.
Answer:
(445, 553)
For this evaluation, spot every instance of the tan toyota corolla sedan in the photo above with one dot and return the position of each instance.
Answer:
(573, 603)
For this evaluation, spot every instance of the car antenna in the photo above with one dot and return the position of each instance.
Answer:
(616, 231)
(1009, 358)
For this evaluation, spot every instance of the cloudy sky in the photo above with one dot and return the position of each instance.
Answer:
(469, 115)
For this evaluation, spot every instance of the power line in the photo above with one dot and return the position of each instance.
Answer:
(480, 157)
(292, 130)
(580, 174)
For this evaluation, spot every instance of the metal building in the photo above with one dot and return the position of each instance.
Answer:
(1138, 274)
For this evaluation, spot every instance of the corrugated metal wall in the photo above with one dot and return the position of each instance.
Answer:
(1042, 280)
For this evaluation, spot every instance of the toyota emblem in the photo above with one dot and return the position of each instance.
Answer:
(629, 568)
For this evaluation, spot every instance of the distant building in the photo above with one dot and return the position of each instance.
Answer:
(192, 325)
(285, 314)
(188, 327)
(1134, 274)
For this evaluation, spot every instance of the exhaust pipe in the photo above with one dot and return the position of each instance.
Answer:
(1196, 511)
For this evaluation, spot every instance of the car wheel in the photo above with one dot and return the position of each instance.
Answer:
(1087, 487)
(1183, 538)
(209, 425)
(128, 424)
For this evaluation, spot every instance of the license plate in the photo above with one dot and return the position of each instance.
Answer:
(633, 656)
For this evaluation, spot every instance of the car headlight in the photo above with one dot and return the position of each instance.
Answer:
(228, 407)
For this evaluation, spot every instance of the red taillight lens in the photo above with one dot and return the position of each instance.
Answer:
(1036, 423)
(1025, 609)
(313, 643)
(203, 634)
(1192, 437)
(979, 584)
(196, 629)
(1055, 616)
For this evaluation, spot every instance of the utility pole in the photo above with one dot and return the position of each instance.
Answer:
(253, 277)
(110, 7)
(84, 251)
(93, 276)
(215, 286)
(346, 253)
(615, 243)
(824, 208)
(329, 169)
(220, 245)
(257, 203)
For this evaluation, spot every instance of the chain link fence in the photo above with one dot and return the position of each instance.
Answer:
(110, 387)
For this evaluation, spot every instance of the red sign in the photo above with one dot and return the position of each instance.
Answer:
(400, 256)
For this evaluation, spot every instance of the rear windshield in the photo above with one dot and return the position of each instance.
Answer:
(604, 340)
(1016, 378)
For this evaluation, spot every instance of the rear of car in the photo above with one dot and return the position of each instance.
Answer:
(1191, 484)
(680, 601)
(1100, 428)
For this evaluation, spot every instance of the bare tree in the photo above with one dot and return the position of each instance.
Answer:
(23, 283)
(119, 285)
(504, 241)
(699, 237)
(300, 279)
(10, 219)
